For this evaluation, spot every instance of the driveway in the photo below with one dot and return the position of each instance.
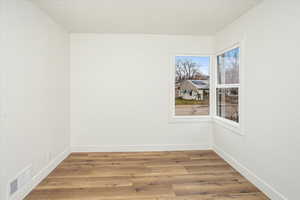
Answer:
(190, 110)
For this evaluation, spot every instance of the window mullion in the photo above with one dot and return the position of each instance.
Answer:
(228, 85)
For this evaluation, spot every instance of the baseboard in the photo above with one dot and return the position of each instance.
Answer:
(258, 182)
(138, 148)
(41, 175)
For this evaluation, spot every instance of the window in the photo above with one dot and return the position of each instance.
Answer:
(228, 85)
(191, 95)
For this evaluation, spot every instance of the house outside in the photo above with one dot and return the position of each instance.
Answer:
(192, 89)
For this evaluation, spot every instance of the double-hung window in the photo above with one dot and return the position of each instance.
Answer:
(228, 85)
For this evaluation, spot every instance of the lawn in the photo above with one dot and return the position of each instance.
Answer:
(180, 101)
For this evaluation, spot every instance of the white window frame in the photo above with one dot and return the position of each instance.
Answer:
(236, 127)
(190, 119)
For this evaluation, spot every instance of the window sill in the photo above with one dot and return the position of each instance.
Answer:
(187, 119)
(232, 126)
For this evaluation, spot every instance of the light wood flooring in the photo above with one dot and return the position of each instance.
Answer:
(180, 175)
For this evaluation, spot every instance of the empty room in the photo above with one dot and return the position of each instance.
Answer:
(149, 100)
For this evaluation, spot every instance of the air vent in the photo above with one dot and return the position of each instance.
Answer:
(13, 187)
(20, 181)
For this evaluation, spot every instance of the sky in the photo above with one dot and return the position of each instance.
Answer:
(202, 61)
(230, 57)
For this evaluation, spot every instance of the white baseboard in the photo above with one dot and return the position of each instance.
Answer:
(138, 148)
(258, 182)
(40, 176)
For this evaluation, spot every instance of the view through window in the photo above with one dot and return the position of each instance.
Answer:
(192, 85)
(228, 84)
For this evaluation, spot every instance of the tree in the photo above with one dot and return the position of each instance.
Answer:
(179, 71)
(187, 70)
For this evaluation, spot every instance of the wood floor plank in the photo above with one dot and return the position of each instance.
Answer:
(225, 168)
(79, 182)
(190, 178)
(241, 196)
(214, 188)
(175, 175)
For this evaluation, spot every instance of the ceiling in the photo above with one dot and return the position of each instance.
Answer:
(180, 17)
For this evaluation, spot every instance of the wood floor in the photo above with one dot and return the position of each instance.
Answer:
(181, 175)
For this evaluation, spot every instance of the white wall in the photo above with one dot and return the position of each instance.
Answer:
(120, 93)
(35, 89)
(1, 133)
(270, 147)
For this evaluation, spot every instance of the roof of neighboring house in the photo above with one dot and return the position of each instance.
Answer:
(195, 84)
(200, 84)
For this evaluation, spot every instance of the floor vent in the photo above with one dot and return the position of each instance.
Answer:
(21, 180)
(13, 187)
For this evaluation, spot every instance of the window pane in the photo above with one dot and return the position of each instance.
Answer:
(192, 85)
(228, 67)
(228, 103)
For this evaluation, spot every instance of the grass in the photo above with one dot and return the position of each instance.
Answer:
(180, 101)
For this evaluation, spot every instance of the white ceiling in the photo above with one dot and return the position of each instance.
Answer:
(190, 17)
